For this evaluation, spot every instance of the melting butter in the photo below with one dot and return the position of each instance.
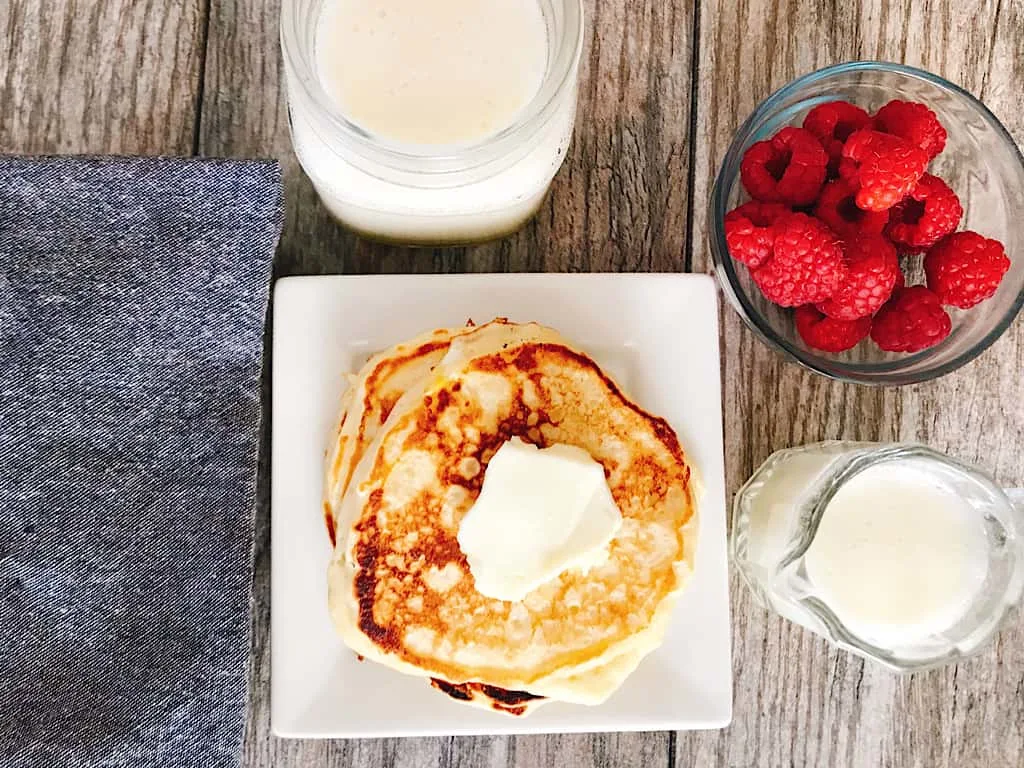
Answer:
(540, 512)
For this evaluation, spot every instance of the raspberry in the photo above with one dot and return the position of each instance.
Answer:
(888, 168)
(827, 333)
(790, 168)
(929, 213)
(832, 123)
(873, 270)
(837, 207)
(750, 231)
(912, 320)
(965, 268)
(914, 122)
(848, 171)
(808, 264)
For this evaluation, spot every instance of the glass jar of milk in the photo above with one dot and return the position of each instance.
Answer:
(894, 552)
(431, 122)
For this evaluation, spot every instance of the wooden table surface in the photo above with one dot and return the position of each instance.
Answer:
(664, 83)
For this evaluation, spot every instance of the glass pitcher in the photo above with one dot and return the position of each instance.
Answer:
(794, 564)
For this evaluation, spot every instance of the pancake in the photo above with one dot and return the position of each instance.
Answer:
(401, 592)
(489, 696)
(367, 402)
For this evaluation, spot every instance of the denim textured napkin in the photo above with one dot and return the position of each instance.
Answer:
(133, 293)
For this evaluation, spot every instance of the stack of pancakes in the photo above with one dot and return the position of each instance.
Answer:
(419, 424)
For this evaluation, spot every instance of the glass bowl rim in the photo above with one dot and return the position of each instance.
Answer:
(888, 373)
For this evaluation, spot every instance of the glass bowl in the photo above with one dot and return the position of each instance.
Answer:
(981, 163)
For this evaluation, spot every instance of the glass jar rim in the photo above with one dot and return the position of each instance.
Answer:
(880, 374)
(454, 158)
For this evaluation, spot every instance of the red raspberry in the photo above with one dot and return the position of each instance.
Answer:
(837, 207)
(832, 123)
(848, 171)
(807, 267)
(965, 268)
(912, 320)
(913, 122)
(790, 168)
(750, 231)
(929, 213)
(873, 269)
(829, 334)
(888, 168)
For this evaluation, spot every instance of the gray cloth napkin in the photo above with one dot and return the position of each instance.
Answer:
(133, 293)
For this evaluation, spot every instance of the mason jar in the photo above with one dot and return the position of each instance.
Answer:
(429, 194)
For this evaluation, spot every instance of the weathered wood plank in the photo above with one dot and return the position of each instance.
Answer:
(605, 750)
(117, 76)
(796, 701)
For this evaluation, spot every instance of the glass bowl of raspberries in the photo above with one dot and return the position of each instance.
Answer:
(865, 222)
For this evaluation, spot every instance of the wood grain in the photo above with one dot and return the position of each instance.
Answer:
(107, 76)
(797, 702)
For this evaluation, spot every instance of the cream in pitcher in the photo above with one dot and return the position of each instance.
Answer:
(895, 552)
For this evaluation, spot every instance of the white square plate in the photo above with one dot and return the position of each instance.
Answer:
(657, 334)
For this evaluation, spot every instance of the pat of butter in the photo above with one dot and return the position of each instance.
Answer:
(540, 512)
